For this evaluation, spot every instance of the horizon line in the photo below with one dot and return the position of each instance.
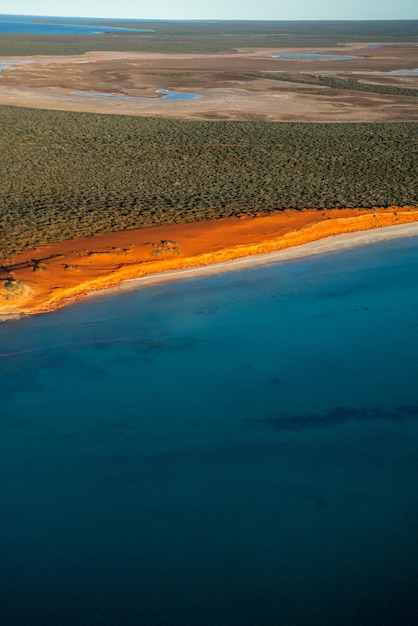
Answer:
(211, 19)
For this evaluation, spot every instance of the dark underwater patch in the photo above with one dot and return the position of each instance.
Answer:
(335, 417)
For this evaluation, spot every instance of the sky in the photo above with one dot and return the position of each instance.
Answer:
(218, 9)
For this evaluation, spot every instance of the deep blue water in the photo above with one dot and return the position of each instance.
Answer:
(36, 25)
(240, 449)
(168, 95)
(313, 55)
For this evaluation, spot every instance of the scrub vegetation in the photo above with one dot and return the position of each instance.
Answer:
(214, 36)
(354, 85)
(66, 175)
(350, 84)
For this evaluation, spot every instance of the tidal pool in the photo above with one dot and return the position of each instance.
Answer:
(404, 72)
(314, 56)
(5, 65)
(168, 95)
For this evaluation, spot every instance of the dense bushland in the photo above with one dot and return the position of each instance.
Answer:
(73, 174)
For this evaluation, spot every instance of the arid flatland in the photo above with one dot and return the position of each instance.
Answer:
(241, 84)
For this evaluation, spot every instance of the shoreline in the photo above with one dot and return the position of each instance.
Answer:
(56, 275)
(325, 246)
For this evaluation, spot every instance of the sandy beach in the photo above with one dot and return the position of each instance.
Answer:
(333, 243)
(45, 279)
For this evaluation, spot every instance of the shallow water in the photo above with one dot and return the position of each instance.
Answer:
(13, 64)
(404, 72)
(235, 449)
(314, 56)
(38, 25)
(168, 95)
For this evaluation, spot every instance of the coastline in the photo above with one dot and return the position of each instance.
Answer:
(55, 275)
(327, 245)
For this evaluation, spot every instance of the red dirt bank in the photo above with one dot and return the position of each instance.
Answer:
(51, 276)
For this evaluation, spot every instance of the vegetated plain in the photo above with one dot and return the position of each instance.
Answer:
(202, 36)
(68, 175)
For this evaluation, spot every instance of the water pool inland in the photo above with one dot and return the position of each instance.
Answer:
(315, 56)
(235, 449)
(168, 95)
(404, 72)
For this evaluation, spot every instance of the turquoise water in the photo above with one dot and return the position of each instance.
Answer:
(168, 95)
(239, 449)
(313, 55)
(38, 25)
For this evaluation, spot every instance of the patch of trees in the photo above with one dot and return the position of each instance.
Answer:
(353, 84)
(66, 175)
(350, 84)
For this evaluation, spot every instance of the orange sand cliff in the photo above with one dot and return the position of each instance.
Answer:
(53, 275)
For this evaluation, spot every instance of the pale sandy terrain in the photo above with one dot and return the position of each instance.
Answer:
(52, 276)
(49, 82)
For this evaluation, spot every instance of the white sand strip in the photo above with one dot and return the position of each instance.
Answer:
(326, 245)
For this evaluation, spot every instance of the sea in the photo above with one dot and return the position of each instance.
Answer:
(239, 449)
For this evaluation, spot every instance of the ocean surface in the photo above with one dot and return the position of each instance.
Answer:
(233, 450)
(40, 25)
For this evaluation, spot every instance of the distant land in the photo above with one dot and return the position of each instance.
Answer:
(195, 36)
(36, 25)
